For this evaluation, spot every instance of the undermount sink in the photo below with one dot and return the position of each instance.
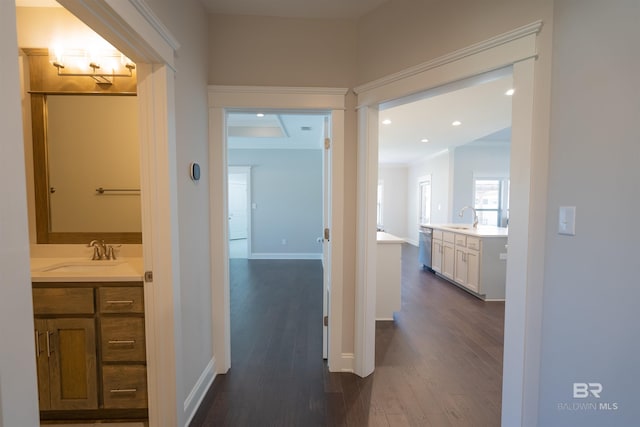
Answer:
(81, 266)
(458, 227)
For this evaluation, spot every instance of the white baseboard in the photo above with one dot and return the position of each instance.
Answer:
(285, 256)
(347, 362)
(199, 390)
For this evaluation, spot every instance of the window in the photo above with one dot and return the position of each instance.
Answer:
(379, 206)
(424, 198)
(491, 201)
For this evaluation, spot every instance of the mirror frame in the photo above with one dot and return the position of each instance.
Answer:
(43, 81)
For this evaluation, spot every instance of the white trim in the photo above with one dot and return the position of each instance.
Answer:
(347, 363)
(238, 97)
(130, 26)
(276, 255)
(474, 49)
(199, 390)
(222, 99)
(516, 49)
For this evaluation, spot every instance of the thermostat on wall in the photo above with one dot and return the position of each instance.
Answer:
(194, 171)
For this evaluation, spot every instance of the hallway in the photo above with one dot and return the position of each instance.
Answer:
(439, 364)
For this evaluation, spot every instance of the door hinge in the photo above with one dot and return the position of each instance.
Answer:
(325, 320)
(327, 143)
(326, 234)
(148, 276)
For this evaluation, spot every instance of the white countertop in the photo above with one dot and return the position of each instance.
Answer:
(70, 269)
(388, 238)
(481, 231)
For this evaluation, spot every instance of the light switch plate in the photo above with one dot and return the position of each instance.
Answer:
(567, 220)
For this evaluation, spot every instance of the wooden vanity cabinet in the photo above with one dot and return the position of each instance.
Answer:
(66, 349)
(90, 350)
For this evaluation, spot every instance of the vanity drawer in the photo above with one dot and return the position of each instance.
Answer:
(121, 299)
(63, 301)
(461, 240)
(122, 339)
(473, 243)
(437, 234)
(124, 386)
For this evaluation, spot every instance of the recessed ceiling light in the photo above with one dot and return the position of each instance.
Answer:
(260, 115)
(424, 140)
(456, 123)
(510, 92)
(386, 122)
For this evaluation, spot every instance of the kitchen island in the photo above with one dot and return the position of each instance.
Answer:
(388, 275)
(474, 259)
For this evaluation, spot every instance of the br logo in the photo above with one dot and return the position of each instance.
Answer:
(584, 390)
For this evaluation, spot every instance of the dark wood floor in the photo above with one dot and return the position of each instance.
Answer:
(439, 364)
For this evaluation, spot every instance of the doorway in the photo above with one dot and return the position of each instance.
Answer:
(326, 101)
(523, 310)
(276, 205)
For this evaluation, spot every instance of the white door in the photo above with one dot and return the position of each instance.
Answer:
(326, 242)
(238, 206)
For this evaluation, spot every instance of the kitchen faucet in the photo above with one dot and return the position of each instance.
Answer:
(101, 251)
(475, 215)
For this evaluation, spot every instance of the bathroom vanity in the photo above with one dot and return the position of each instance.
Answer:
(90, 339)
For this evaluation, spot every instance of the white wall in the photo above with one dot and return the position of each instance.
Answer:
(476, 159)
(286, 188)
(18, 389)
(440, 167)
(394, 206)
(591, 290)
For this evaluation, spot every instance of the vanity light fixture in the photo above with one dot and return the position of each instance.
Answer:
(386, 122)
(101, 66)
(456, 123)
(510, 92)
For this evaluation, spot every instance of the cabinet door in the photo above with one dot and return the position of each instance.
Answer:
(436, 256)
(448, 260)
(473, 270)
(460, 267)
(72, 365)
(42, 362)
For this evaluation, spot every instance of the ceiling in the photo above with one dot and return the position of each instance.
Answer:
(337, 9)
(483, 110)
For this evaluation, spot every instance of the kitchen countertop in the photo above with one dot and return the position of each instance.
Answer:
(481, 231)
(383, 237)
(69, 269)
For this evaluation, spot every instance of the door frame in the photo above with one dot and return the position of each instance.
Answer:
(246, 170)
(515, 49)
(132, 27)
(221, 100)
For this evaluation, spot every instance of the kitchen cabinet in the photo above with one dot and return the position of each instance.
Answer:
(448, 255)
(436, 251)
(472, 259)
(90, 350)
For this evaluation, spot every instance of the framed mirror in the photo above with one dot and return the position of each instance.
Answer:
(86, 167)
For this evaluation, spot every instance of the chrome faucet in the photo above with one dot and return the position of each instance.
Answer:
(101, 251)
(475, 215)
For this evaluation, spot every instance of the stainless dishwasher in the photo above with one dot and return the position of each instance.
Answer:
(424, 247)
